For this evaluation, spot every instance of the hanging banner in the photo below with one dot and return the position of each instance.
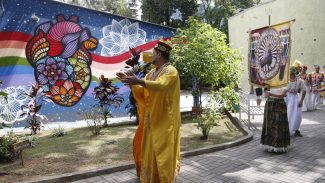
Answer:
(269, 56)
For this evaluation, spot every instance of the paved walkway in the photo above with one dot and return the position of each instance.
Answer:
(304, 163)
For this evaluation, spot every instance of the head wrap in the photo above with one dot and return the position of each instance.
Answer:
(295, 69)
(163, 47)
(297, 63)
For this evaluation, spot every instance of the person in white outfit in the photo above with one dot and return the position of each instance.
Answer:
(316, 79)
(294, 104)
(321, 90)
(307, 104)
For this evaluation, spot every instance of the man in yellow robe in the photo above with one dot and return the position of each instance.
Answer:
(158, 102)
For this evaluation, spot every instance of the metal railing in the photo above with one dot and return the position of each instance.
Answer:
(247, 106)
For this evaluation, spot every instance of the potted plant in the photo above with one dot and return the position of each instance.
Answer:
(32, 108)
(107, 96)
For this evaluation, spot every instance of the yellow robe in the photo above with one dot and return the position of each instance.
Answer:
(159, 126)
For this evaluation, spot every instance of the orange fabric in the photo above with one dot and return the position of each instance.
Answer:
(138, 95)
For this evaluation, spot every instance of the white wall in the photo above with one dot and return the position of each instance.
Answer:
(309, 24)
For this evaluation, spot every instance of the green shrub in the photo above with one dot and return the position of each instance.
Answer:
(58, 132)
(228, 98)
(210, 116)
(32, 139)
(94, 118)
(6, 142)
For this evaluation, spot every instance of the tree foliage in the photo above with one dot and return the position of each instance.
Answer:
(206, 56)
(187, 8)
(156, 11)
(118, 7)
(217, 12)
(160, 12)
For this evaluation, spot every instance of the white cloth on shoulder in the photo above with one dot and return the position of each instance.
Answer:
(292, 100)
(308, 103)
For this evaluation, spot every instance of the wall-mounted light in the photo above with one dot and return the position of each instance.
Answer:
(34, 17)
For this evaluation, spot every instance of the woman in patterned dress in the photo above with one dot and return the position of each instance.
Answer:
(282, 114)
(275, 132)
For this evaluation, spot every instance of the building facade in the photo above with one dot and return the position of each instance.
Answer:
(307, 30)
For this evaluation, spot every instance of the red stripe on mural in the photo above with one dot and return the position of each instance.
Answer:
(124, 56)
(18, 36)
(111, 60)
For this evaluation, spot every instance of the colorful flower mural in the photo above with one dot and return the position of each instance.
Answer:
(49, 52)
(65, 92)
(50, 71)
(53, 49)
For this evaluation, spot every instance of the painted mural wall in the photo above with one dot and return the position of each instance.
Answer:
(65, 49)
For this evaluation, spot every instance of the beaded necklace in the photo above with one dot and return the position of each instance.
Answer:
(303, 77)
(156, 73)
(316, 79)
(293, 86)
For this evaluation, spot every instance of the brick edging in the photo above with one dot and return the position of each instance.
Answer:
(111, 169)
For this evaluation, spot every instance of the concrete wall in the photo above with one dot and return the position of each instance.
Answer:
(307, 31)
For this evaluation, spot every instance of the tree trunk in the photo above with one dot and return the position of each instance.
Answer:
(105, 119)
(205, 135)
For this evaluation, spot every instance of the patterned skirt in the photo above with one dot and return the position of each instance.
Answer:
(275, 133)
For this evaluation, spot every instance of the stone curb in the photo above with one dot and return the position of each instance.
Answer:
(68, 177)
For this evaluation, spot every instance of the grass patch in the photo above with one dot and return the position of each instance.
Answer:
(190, 134)
(80, 150)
